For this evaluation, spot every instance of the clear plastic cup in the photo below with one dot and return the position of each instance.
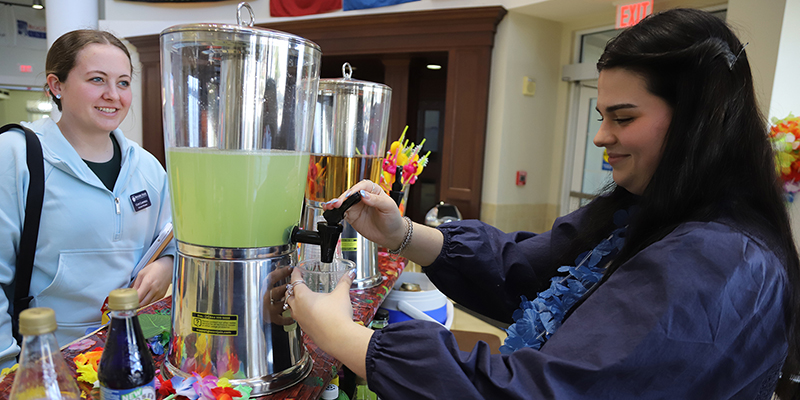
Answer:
(323, 277)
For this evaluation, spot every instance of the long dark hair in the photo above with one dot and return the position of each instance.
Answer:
(717, 160)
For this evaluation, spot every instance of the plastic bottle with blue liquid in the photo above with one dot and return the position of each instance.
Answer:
(126, 370)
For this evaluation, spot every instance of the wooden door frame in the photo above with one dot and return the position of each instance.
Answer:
(465, 34)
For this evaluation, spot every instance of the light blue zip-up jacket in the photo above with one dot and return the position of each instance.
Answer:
(90, 238)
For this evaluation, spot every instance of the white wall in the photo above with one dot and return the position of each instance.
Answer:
(760, 24)
(785, 97)
(520, 129)
(129, 18)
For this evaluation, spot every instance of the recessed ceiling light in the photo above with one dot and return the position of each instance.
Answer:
(434, 66)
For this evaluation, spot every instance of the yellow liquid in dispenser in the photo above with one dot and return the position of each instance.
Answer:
(236, 198)
(330, 176)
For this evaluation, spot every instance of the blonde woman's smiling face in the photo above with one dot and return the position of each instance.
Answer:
(633, 128)
(96, 95)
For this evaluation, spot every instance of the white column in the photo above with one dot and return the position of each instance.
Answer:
(759, 23)
(786, 88)
(67, 15)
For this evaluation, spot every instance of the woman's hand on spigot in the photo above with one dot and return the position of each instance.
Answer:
(376, 216)
(327, 318)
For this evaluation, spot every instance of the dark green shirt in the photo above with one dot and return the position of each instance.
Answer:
(109, 170)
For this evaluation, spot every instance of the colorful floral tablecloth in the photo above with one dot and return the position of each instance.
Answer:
(365, 304)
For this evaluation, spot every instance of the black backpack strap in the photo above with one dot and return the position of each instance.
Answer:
(30, 228)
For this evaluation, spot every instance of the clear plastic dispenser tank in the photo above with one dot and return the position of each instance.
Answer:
(238, 116)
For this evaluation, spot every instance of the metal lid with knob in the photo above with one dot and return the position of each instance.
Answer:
(123, 299)
(352, 117)
(220, 36)
(37, 321)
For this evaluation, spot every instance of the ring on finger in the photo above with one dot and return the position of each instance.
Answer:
(290, 287)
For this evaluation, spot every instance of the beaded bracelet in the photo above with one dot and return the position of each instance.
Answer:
(409, 232)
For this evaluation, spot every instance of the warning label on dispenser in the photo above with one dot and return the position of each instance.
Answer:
(215, 324)
(349, 244)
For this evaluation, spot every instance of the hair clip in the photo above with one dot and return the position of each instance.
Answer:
(733, 62)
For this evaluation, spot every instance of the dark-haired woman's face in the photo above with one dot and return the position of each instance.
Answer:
(634, 126)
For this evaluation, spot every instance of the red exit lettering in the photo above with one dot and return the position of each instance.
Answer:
(25, 68)
(631, 14)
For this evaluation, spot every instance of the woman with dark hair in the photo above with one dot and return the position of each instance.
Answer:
(680, 281)
(105, 198)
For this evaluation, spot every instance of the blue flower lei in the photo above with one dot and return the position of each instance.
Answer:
(538, 319)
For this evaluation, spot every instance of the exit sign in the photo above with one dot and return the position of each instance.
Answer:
(631, 14)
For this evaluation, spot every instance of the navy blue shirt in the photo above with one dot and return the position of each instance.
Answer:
(696, 315)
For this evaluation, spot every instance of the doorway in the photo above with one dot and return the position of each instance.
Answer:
(424, 107)
(591, 172)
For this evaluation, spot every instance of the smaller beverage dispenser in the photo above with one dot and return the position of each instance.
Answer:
(349, 139)
(238, 115)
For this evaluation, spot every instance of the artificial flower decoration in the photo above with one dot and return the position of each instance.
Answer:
(86, 365)
(785, 137)
(225, 393)
(9, 370)
(195, 387)
(405, 155)
(163, 386)
(185, 387)
(537, 320)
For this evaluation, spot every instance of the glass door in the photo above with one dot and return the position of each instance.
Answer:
(590, 170)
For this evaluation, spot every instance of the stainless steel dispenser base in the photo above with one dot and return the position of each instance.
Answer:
(367, 283)
(262, 385)
(225, 323)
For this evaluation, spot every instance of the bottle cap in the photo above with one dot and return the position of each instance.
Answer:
(123, 299)
(331, 393)
(37, 321)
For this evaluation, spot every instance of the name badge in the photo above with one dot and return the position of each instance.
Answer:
(140, 200)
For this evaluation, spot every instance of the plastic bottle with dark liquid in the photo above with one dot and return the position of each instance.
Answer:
(126, 370)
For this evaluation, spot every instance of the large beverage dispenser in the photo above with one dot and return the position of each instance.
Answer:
(351, 122)
(238, 116)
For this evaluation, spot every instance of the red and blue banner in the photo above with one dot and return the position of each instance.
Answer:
(350, 5)
(296, 8)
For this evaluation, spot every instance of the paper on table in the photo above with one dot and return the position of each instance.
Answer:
(163, 239)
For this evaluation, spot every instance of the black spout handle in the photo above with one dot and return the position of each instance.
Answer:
(397, 187)
(303, 236)
(336, 215)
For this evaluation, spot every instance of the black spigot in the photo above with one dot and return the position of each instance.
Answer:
(397, 187)
(328, 232)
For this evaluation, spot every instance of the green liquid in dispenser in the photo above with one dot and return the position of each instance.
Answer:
(236, 198)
